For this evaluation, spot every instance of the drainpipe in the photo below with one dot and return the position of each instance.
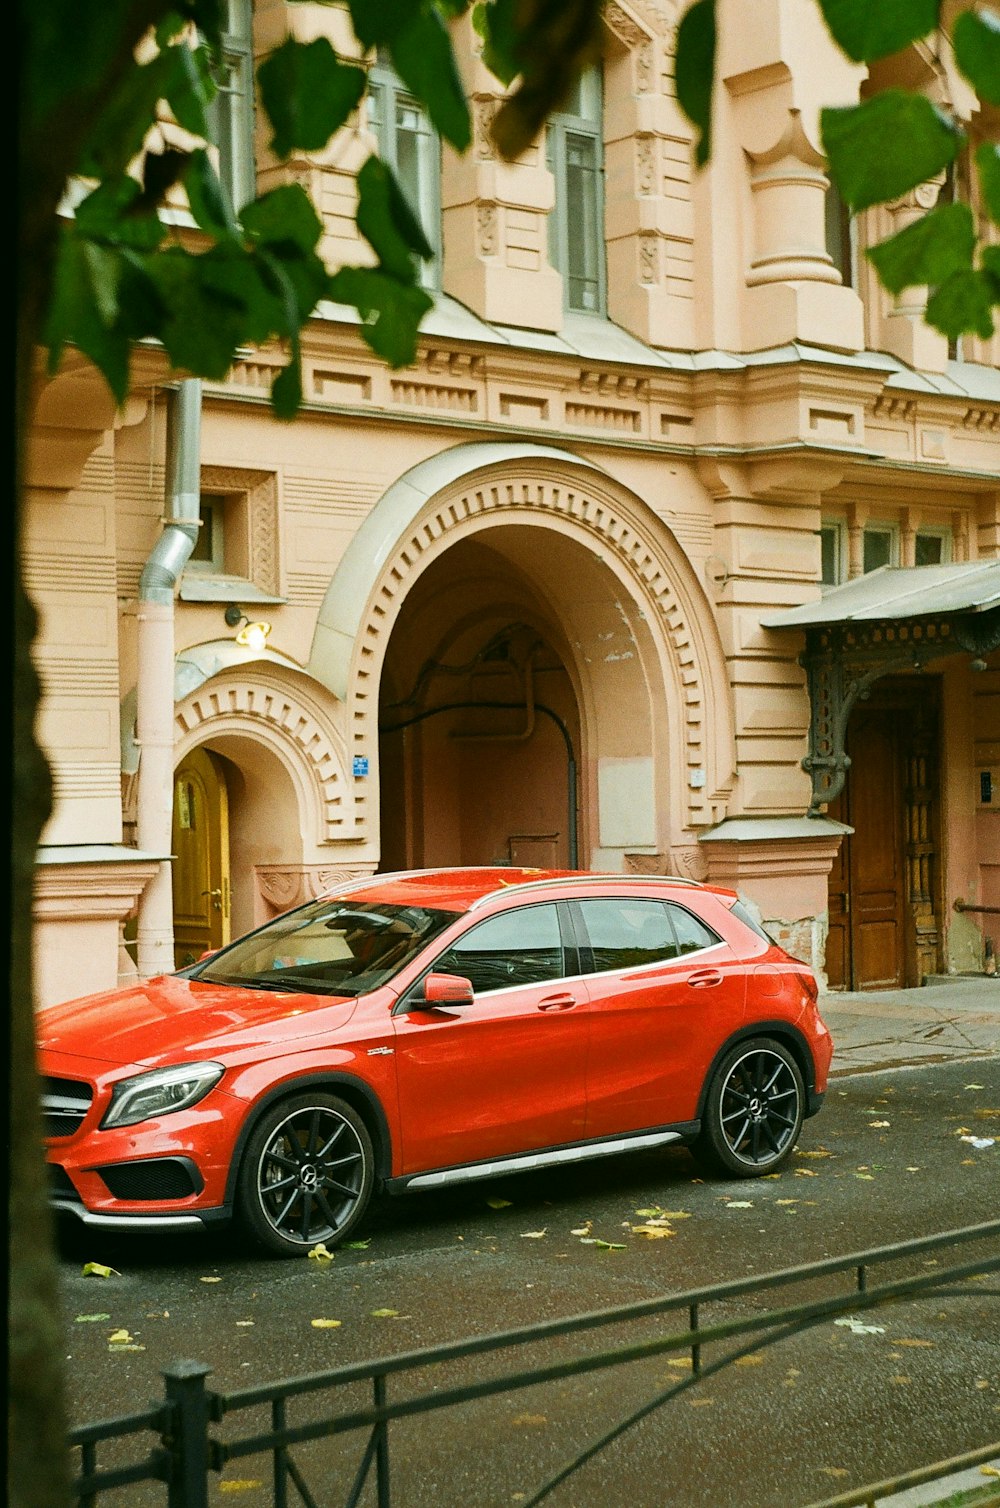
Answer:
(155, 679)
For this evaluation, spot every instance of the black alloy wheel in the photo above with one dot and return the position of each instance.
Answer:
(753, 1113)
(307, 1174)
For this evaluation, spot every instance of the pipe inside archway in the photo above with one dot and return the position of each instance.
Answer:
(571, 772)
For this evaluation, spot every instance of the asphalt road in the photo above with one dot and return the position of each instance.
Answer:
(886, 1160)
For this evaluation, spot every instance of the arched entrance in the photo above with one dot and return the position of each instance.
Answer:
(488, 551)
(479, 728)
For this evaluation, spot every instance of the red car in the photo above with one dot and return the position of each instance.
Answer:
(416, 1030)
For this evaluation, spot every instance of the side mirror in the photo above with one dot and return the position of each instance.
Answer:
(447, 989)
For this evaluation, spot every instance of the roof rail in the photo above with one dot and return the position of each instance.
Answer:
(581, 879)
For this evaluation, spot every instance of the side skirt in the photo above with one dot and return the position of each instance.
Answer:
(526, 1162)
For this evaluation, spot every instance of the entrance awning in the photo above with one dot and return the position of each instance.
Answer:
(895, 593)
(895, 618)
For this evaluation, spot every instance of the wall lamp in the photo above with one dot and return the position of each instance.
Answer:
(251, 635)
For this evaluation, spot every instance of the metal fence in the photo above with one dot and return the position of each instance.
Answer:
(190, 1449)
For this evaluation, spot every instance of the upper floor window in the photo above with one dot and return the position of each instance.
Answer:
(840, 235)
(231, 112)
(932, 547)
(880, 547)
(408, 143)
(576, 226)
(832, 553)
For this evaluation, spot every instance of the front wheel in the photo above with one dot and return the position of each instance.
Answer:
(307, 1174)
(753, 1113)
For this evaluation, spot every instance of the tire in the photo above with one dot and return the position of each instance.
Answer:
(307, 1174)
(753, 1112)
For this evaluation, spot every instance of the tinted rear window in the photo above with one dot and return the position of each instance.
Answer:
(739, 910)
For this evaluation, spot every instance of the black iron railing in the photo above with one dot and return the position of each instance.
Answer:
(191, 1448)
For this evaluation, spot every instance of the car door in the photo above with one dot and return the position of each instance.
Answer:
(665, 992)
(504, 1074)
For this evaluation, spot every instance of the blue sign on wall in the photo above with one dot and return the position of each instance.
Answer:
(361, 764)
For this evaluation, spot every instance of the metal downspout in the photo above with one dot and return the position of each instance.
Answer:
(155, 679)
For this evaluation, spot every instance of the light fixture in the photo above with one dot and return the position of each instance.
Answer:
(251, 635)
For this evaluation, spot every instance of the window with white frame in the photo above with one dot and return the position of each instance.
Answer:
(880, 547)
(932, 547)
(840, 235)
(575, 153)
(409, 144)
(833, 552)
(230, 114)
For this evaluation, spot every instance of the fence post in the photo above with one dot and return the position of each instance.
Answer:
(187, 1443)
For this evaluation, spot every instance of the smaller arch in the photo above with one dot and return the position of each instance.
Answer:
(294, 718)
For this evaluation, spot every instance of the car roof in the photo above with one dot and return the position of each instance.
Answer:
(465, 889)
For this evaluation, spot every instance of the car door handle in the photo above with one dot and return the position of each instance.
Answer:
(557, 1003)
(704, 979)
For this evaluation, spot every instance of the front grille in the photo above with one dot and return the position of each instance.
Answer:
(65, 1103)
(60, 1184)
(153, 1178)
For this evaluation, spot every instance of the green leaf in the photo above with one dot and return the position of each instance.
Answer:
(695, 70)
(928, 251)
(391, 311)
(422, 56)
(869, 29)
(207, 199)
(73, 316)
(286, 390)
(308, 94)
(202, 325)
(284, 214)
(988, 163)
(104, 271)
(121, 125)
(190, 87)
(387, 222)
(976, 39)
(963, 304)
(495, 22)
(115, 212)
(881, 148)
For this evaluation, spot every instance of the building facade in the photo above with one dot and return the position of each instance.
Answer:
(527, 598)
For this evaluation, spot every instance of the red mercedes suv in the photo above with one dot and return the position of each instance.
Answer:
(427, 1028)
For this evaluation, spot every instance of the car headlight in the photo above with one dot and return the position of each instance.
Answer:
(160, 1092)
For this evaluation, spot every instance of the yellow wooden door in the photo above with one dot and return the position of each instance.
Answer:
(201, 858)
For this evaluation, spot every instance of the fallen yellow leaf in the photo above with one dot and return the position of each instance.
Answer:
(210, 1280)
(241, 1484)
(989, 1471)
(815, 1152)
(532, 1235)
(98, 1270)
(529, 1421)
(652, 1232)
(806, 1173)
(750, 1361)
(326, 1324)
(701, 1403)
(834, 1471)
(924, 1344)
(384, 1313)
(119, 1337)
(498, 1204)
(684, 1362)
(320, 1254)
(87, 1319)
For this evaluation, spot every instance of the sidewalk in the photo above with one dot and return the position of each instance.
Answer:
(948, 1020)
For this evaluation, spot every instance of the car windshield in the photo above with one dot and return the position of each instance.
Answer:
(334, 947)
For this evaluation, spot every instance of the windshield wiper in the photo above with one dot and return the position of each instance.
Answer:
(293, 985)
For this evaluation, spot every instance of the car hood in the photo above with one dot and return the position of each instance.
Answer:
(173, 1018)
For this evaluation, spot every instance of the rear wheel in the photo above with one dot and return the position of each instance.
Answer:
(753, 1113)
(307, 1174)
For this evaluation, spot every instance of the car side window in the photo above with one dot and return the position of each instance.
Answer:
(518, 947)
(625, 933)
(692, 933)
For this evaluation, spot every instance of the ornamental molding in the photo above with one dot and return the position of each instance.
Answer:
(579, 507)
(263, 706)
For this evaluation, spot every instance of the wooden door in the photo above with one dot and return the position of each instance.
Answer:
(876, 874)
(883, 930)
(201, 858)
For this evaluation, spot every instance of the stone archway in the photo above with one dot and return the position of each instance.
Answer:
(274, 733)
(644, 654)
